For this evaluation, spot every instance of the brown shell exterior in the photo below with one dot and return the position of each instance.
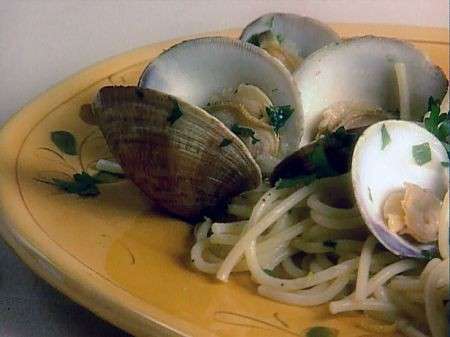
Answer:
(181, 165)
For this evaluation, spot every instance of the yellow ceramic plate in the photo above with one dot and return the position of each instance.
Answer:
(114, 254)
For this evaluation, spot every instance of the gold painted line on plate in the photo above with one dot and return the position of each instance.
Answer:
(276, 315)
(254, 320)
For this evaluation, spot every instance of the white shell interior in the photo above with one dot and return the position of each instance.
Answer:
(305, 33)
(362, 69)
(377, 172)
(195, 70)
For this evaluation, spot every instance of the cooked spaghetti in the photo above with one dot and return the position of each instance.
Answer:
(310, 246)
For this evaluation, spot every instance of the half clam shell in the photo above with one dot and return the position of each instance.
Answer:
(196, 70)
(181, 157)
(363, 69)
(379, 169)
(295, 34)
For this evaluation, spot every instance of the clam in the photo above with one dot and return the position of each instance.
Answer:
(238, 83)
(183, 158)
(290, 38)
(384, 74)
(399, 180)
(349, 115)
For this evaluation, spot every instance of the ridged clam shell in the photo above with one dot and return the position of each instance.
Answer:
(180, 164)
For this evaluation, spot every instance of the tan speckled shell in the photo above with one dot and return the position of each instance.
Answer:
(180, 166)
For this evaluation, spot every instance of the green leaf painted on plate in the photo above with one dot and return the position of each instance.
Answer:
(321, 331)
(82, 184)
(64, 141)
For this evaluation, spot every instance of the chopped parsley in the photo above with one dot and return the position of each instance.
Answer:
(280, 38)
(225, 142)
(431, 122)
(270, 272)
(254, 40)
(270, 22)
(294, 182)
(438, 123)
(64, 141)
(421, 153)
(320, 160)
(139, 93)
(385, 137)
(370, 194)
(328, 157)
(444, 163)
(175, 113)
(330, 244)
(428, 254)
(278, 115)
(244, 132)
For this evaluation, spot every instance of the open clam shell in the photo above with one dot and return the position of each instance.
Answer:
(196, 70)
(382, 167)
(363, 70)
(181, 157)
(298, 34)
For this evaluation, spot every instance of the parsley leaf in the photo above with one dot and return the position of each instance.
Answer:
(270, 272)
(443, 130)
(270, 22)
(428, 254)
(370, 194)
(432, 121)
(421, 153)
(328, 157)
(254, 39)
(385, 137)
(280, 38)
(322, 166)
(244, 132)
(225, 142)
(64, 141)
(294, 182)
(175, 113)
(139, 93)
(278, 115)
(330, 243)
(445, 163)
(438, 123)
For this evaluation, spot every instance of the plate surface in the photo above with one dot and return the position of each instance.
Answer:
(113, 253)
